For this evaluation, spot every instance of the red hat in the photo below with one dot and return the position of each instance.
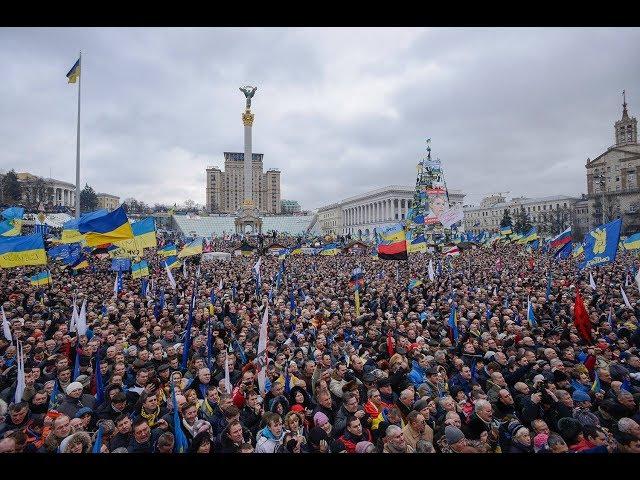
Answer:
(297, 408)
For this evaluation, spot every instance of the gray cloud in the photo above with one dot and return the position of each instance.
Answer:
(339, 111)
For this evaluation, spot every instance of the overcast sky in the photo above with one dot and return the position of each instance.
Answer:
(338, 110)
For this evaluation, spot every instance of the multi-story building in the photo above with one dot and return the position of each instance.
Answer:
(549, 214)
(360, 214)
(48, 191)
(225, 189)
(290, 206)
(330, 219)
(108, 201)
(613, 178)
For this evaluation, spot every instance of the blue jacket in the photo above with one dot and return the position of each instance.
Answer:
(417, 374)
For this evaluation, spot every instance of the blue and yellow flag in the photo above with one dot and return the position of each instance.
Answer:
(42, 278)
(529, 236)
(579, 248)
(418, 244)
(74, 73)
(601, 244)
(414, 283)
(330, 249)
(144, 236)
(192, 248)
(506, 230)
(172, 262)
(80, 262)
(140, 269)
(632, 242)
(11, 228)
(13, 212)
(70, 233)
(168, 250)
(393, 234)
(109, 228)
(22, 250)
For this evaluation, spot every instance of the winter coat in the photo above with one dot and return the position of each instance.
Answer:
(266, 442)
(417, 375)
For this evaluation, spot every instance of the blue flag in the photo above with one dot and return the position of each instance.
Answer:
(76, 367)
(54, 396)
(181, 443)
(99, 382)
(601, 244)
(98, 443)
(548, 286)
(453, 324)
(209, 343)
(292, 301)
(187, 337)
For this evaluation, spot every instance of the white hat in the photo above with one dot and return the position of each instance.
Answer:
(73, 386)
(538, 378)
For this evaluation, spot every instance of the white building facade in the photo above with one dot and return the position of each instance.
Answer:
(361, 214)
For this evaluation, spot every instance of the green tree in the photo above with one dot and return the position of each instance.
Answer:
(11, 188)
(506, 219)
(88, 199)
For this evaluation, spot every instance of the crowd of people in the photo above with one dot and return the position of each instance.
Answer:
(381, 375)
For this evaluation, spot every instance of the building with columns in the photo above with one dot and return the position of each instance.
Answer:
(613, 178)
(48, 191)
(360, 214)
(108, 201)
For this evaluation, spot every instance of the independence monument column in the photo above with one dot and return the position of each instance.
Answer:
(248, 214)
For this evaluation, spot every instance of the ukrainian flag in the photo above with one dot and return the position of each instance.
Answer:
(393, 234)
(418, 244)
(168, 250)
(632, 242)
(530, 236)
(80, 263)
(506, 230)
(70, 233)
(22, 250)
(42, 278)
(11, 228)
(330, 249)
(144, 236)
(578, 250)
(13, 212)
(74, 73)
(140, 269)
(108, 228)
(172, 262)
(190, 249)
(414, 283)
(297, 250)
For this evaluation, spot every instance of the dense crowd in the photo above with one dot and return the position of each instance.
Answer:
(389, 379)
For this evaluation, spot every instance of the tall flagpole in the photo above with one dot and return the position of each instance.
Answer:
(78, 143)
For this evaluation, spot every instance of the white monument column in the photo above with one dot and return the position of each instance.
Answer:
(247, 120)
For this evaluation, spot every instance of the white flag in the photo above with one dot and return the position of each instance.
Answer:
(256, 267)
(262, 352)
(81, 324)
(198, 272)
(495, 291)
(637, 277)
(227, 378)
(184, 270)
(115, 285)
(170, 276)
(20, 382)
(220, 286)
(591, 282)
(6, 329)
(432, 274)
(74, 318)
(624, 297)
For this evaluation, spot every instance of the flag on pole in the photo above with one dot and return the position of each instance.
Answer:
(76, 366)
(624, 297)
(357, 300)
(612, 322)
(453, 324)
(74, 73)
(227, 378)
(170, 277)
(6, 328)
(592, 283)
(20, 380)
(81, 320)
(181, 443)
(531, 318)
(98, 443)
(548, 286)
(432, 273)
(581, 318)
(595, 388)
(261, 358)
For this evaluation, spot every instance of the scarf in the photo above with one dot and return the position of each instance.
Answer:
(150, 417)
(189, 427)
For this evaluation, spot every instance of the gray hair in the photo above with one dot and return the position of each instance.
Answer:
(481, 404)
(393, 429)
(626, 424)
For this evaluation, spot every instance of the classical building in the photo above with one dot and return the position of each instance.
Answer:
(48, 191)
(613, 178)
(225, 189)
(547, 213)
(290, 206)
(360, 214)
(108, 201)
